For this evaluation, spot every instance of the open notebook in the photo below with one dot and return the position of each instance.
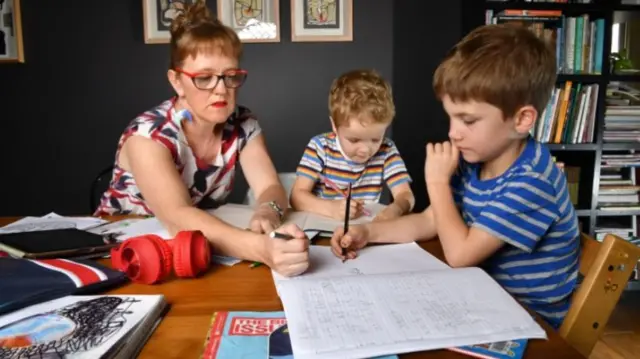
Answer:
(395, 299)
(240, 215)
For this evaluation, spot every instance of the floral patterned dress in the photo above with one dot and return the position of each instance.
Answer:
(208, 183)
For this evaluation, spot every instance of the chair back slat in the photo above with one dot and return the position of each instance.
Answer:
(606, 267)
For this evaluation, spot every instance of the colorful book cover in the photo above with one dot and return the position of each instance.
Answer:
(512, 349)
(250, 335)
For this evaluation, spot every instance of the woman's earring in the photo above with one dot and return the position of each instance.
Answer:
(180, 115)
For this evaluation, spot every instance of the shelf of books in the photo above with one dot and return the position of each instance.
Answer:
(591, 123)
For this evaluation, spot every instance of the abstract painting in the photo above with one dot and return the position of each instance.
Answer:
(157, 17)
(11, 49)
(253, 20)
(321, 20)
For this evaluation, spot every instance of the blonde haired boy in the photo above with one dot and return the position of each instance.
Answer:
(356, 152)
(497, 199)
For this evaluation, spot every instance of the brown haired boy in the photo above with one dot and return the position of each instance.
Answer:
(356, 152)
(503, 205)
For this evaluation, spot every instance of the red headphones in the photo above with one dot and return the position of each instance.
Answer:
(148, 259)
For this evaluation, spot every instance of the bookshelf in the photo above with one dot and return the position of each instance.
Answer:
(588, 151)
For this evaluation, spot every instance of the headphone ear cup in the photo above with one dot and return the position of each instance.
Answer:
(145, 259)
(191, 254)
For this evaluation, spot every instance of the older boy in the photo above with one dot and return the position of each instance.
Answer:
(504, 205)
(356, 153)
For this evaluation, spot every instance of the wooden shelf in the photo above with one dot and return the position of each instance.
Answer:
(583, 212)
(598, 6)
(611, 213)
(569, 7)
(572, 146)
(625, 78)
(625, 146)
(586, 78)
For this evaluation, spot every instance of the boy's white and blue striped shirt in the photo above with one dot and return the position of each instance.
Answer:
(528, 207)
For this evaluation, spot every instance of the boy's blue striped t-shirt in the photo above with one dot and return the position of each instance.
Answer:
(528, 207)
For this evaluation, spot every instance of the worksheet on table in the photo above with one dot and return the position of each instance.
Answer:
(378, 259)
(372, 315)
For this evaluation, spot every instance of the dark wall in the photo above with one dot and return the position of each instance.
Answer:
(88, 73)
(420, 42)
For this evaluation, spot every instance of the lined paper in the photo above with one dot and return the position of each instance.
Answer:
(372, 315)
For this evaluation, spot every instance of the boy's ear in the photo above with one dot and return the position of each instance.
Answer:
(525, 119)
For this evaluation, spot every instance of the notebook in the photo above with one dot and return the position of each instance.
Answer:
(79, 327)
(381, 304)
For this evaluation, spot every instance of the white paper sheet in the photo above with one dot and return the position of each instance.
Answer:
(51, 221)
(75, 326)
(372, 315)
(380, 259)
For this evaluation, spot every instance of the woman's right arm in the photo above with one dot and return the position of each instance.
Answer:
(167, 196)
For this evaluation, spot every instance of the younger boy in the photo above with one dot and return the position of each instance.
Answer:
(504, 205)
(356, 152)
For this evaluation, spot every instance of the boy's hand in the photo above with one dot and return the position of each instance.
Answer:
(355, 239)
(441, 163)
(356, 209)
(390, 212)
(288, 257)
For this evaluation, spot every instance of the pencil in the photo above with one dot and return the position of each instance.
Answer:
(336, 188)
(346, 221)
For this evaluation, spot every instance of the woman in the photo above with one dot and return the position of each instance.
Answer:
(185, 151)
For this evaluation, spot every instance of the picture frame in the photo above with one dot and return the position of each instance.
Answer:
(321, 20)
(254, 21)
(157, 16)
(11, 44)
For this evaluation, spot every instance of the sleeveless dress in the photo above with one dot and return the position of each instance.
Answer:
(208, 183)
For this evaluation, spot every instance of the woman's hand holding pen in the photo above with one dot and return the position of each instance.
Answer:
(288, 253)
(356, 208)
(355, 239)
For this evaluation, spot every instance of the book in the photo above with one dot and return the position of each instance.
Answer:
(384, 303)
(250, 335)
(510, 349)
(78, 327)
(27, 282)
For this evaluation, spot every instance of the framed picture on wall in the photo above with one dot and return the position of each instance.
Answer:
(253, 20)
(157, 16)
(11, 49)
(321, 20)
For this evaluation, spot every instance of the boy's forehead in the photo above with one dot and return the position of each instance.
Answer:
(358, 128)
(467, 107)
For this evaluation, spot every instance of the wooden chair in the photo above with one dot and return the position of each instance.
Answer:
(606, 268)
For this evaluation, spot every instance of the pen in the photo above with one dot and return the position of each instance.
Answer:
(273, 234)
(333, 185)
(346, 221)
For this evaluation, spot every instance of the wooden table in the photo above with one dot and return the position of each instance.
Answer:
(183, 331)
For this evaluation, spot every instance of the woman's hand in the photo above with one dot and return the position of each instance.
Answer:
(288, 257)
(265, 219)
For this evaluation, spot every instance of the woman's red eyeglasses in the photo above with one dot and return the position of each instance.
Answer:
(232, 78)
